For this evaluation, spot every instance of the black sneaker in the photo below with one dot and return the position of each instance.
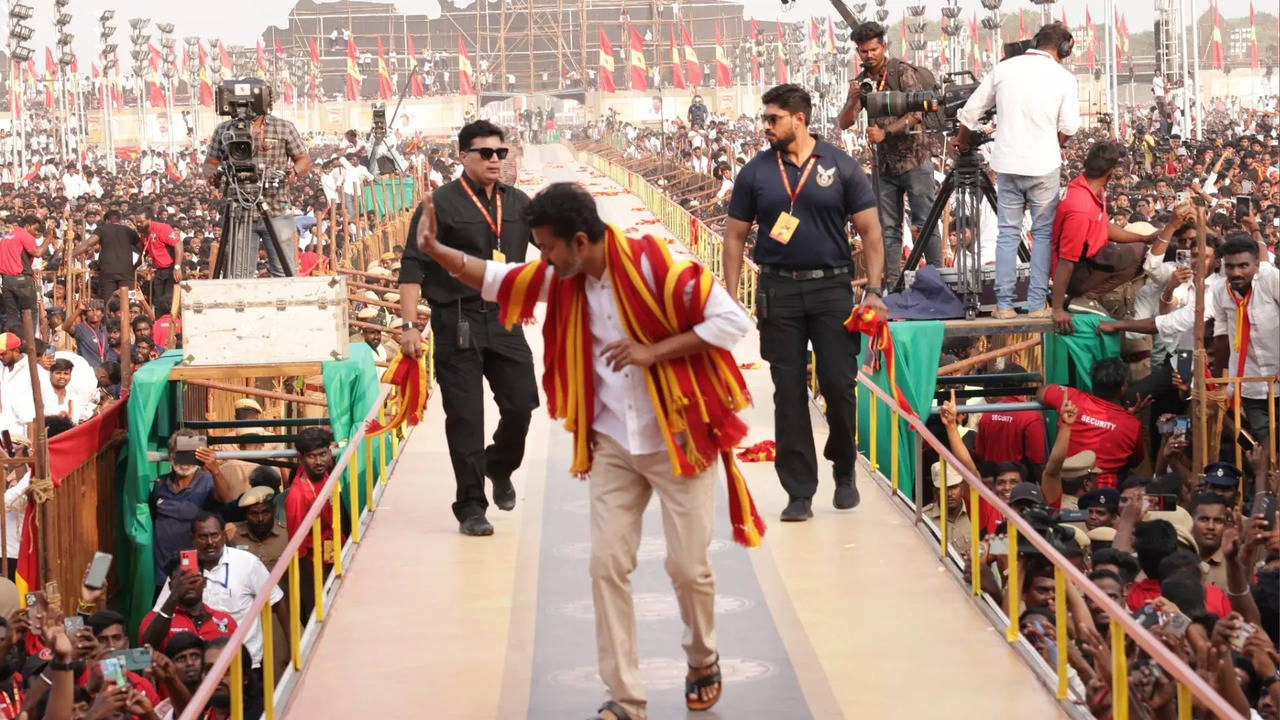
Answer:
(846, 497)
(476, 526)
(798, 510)
(504, 493)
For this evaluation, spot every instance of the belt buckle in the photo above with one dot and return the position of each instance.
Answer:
(810, 274)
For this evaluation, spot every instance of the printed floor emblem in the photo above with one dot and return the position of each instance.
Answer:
(650, 548)
(667, 673)
(653, 606)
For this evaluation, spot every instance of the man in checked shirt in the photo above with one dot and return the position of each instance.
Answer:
(279, 148)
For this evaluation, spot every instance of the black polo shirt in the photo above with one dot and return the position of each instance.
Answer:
(460, 225)
(836, 189)
(117, 243)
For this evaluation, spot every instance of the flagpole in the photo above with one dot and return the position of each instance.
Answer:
(1195, 65)
(1187, 56)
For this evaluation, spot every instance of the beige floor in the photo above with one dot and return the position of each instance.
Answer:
(432, 624)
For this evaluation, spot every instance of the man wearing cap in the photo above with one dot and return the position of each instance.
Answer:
(259, 533)
(958, 525)
(371, 336)
(1224, 479)
(483, 218)
(1025, 495)
(1103, 506)
(17, 401)
(17, 288)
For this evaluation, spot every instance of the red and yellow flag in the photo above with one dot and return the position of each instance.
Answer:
(416, 88)
(386, 88)
(693, 70)
(723, 73)
(677, 68)
(466, 84)
(354, 78)
(1215, 40)
(639, 69)
(780, 70)
(606, 65)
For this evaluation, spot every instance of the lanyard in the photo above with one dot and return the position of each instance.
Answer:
(100, 342)
(494, 224)
(804, 176)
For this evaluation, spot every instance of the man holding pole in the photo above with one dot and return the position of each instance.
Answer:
(1246, 315)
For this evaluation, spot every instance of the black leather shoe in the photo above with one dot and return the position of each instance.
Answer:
(798, 510)
(475, 526)
(504, 493)
(846, 497)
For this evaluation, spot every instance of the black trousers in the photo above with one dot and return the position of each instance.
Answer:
(798, 313)
(162, 291)
(17, 293)
(503, 358)
(109, 285)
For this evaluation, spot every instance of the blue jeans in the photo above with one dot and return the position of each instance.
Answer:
(287, 232)
(920, 188)
(1014, 194)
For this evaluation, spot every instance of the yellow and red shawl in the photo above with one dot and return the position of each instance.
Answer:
(875, 326)
(409, 376)
(695, 397)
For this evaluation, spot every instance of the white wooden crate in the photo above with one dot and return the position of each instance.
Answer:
(264, 321)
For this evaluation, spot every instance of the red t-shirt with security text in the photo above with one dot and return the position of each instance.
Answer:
(1016, 436)
(1107, 429)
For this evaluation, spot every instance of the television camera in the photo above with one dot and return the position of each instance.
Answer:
(244, 101)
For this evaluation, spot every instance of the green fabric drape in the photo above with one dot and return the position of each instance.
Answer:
(1068, 359)
(351, 389)
(917, 345)
(388, 194)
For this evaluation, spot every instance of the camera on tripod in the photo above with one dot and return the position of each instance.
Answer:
(243, 101)
(944, 104)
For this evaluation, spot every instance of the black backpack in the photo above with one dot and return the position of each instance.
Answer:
(933, 121)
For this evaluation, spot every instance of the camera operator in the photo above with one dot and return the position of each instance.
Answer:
(1038, 111)
(904, 153)
(277, 148)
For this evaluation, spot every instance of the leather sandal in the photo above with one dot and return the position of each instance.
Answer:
(614, 708)
(693, 688)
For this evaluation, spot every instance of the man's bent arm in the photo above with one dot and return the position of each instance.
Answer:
(867, 223)
(302, 165)
(1061, 276)
(735, 243)
(410, 293)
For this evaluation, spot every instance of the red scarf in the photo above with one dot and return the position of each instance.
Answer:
(697, 395)
(1241, 341)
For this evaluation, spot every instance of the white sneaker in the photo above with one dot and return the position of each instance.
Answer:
(1087, 305)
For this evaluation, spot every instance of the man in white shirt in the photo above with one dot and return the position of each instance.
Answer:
(17, 402)
(1037, 110)
(1246, 315)
(629, 458)
(233, 579)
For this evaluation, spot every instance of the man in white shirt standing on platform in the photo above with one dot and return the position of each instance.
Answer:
(603, 292)
(1246, 315)
(1037, 110)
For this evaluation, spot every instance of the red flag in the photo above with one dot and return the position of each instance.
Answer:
(755, 42)
(975, 49)
(224, 60)
(1253, 39)
(780, 70)
(1215, 40)
(206, 86)
(416, 88)
(353, 71)
(156, 91)
(1022, 26)
(813, 37)
(117, 86)
(50, 77)
(1088, 33)
(692, 68)
(723, 73)
(606, 65)
(639, 70)
(465, 84)
(677, 68)
(386, 88)
(261, 61)
(831, 35)
(315, 66)
(1122, 38)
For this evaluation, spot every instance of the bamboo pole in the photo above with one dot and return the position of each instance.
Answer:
(126, 343)
(967, 363)
(40, 448)
(255, 392)
(1199, 359)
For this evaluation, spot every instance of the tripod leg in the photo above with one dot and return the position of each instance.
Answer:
(926, 231)
(224, 245)
(286, 261)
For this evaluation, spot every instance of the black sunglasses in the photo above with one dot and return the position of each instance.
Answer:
(487, 152)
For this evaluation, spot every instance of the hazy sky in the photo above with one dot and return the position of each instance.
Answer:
(240, 21)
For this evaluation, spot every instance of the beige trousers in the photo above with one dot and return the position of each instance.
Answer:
(620, 487)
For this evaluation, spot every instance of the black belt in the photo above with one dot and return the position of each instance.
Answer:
(814, 274)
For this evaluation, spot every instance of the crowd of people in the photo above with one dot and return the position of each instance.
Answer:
(1193, 551)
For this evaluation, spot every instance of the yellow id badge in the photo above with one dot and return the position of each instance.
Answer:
(326, 552)
(784, 228)
(499, 256)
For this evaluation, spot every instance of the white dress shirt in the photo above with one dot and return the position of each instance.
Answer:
(231, 586)
(1264, 317)
(1175, 330)
(1036, 98)
(623, 408)
(15, 510)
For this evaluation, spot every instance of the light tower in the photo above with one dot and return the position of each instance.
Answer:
(141, 55)
(107, 58)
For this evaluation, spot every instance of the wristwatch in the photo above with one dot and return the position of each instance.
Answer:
(878, 292)
(1265, 683)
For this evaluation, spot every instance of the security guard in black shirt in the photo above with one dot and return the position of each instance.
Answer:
(485, 219)
(801, 193)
